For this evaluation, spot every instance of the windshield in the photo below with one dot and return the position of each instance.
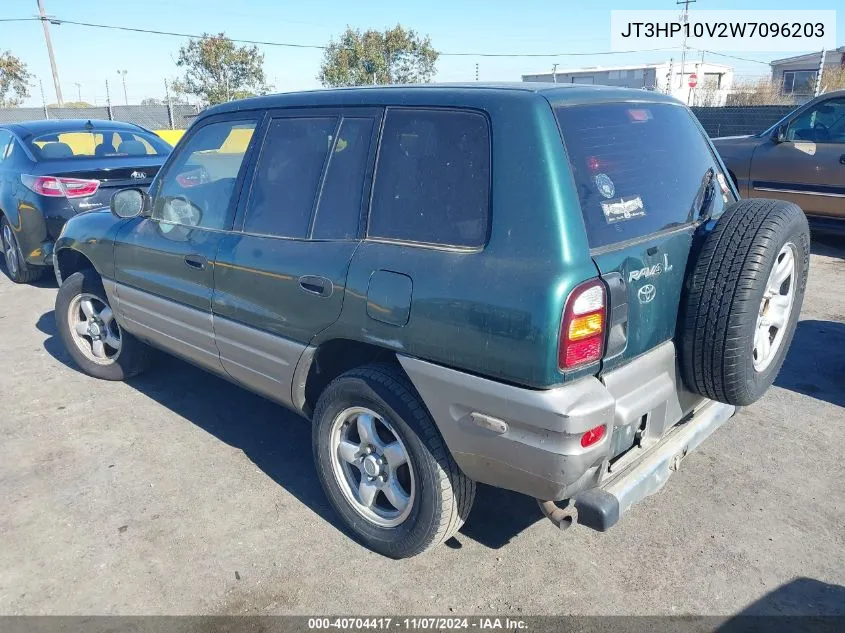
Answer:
(638, 167)
(98, 143)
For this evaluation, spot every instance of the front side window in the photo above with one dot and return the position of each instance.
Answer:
(432, 181)
(823, 123)
(198, 186)
(98, 143)
(287, 176)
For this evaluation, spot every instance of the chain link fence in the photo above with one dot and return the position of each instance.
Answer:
(717, 121)
(739, 120)
(153, 117)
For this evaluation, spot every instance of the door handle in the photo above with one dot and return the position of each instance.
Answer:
(196, 261)
(316, 285)
(842, 159)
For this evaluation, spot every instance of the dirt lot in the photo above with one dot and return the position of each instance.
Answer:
(181, 493)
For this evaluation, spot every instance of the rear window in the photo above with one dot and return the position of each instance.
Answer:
(100, 143)
(637, 167)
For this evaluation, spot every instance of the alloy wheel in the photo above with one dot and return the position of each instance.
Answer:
(775, 308)
(372, 466)
(94, 329)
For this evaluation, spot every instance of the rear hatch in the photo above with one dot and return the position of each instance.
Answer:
(646, 177)
(113, 173)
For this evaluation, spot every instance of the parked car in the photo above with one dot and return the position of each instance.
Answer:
(800, 159)
(52, 170)
(551, 289)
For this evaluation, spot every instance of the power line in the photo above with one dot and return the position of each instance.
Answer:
(59, 21)
(742, 59)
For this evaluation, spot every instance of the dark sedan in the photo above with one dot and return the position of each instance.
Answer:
(53, 170)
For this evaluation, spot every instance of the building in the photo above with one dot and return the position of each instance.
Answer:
(714, 80)
(797, 75)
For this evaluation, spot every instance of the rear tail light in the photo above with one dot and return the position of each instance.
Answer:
(55, 187)
(583, 326)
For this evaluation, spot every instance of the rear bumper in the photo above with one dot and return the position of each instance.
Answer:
(529, 440)
(645, 471)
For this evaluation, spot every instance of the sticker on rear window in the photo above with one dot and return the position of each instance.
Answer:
(623, 209)
(605, 185)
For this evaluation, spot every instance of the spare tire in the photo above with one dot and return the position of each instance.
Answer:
(742, 298)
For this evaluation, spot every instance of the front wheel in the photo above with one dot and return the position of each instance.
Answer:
(91, 334)
(384, 466)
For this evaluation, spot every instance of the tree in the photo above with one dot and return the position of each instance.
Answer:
(217, 71)
(389, 57)
(833, 78)
(151, 101)
(762, 91)
(14, 80)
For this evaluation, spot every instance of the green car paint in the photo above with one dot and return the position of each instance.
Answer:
(493, 311)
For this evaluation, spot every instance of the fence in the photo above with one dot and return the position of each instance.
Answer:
(717, 121)
(739, 120)
(154, 117)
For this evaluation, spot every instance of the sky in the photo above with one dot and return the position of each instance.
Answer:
(89, 57)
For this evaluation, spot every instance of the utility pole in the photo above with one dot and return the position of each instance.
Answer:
(122, 73)
(554, 72)
(43, 100)
(169, 104)
(685, 19)
(108, 101)
(819, 75)
(53, 67)
(78, 91)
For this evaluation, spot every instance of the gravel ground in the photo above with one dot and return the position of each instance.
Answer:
(179, 493)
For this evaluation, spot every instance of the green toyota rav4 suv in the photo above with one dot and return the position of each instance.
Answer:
(551, 289)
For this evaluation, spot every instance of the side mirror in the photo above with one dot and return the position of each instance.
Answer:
(780, 133)
(129, 203)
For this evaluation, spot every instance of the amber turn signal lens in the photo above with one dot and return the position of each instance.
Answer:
(585, 326)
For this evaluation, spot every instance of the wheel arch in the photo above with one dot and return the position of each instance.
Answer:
(69, 261)
(323, 363)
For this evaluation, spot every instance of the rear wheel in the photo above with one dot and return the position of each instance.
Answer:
(91, 334)
(19, 271)
(384, 466)
(743, 299)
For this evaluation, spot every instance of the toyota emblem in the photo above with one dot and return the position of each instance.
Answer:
(647, 293)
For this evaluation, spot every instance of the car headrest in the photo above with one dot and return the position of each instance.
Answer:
(103, 149)
(133, 148)
(56, 150)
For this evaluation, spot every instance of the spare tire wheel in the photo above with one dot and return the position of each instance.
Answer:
(742, 300)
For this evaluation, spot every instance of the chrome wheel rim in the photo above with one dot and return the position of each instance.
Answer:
(94, 329)
(9, 250)
(372, 467)
(775, 308)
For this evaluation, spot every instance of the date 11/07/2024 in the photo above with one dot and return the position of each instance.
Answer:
(416, 623)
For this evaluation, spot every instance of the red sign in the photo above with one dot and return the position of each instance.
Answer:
(693, 80)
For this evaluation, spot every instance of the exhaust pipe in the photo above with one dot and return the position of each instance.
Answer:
(564, 518)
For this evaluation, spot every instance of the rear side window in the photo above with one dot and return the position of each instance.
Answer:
(433, 178)
(638, 167)
(339, 209)
(287, 176)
